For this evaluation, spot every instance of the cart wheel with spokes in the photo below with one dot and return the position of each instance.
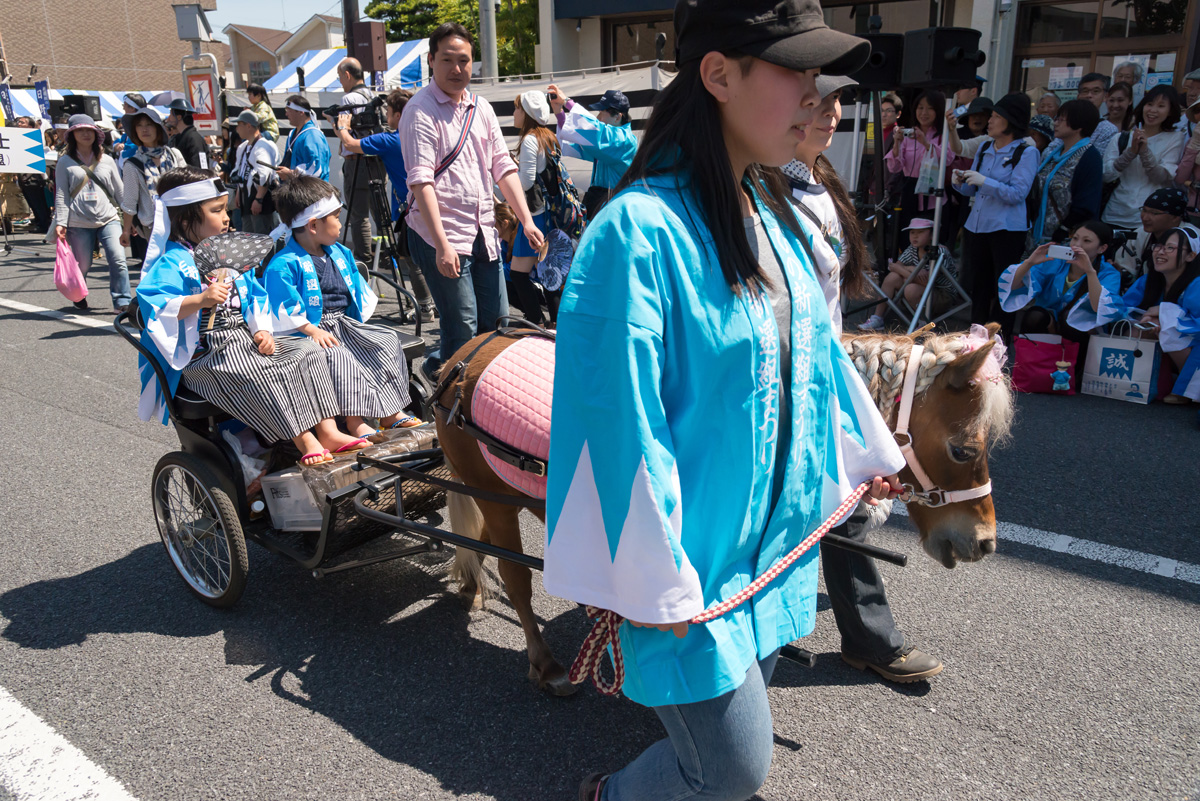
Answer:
(200, 529)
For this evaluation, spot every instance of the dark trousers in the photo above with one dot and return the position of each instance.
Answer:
(34, 193)
(357, 172)
(594, 199)
(856, 593)
(985, 257)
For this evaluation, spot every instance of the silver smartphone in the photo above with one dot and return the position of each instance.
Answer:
(1061, 252)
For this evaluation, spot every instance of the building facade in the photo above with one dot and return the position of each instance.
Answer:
(259, 53)
(97, 45)
(1030, 44)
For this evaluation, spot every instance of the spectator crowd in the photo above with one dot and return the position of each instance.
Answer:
(1022, 172)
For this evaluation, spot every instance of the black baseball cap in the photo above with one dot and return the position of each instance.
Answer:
(612, 100)
(790, 33)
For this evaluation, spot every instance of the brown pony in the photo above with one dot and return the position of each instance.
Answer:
(955, 417)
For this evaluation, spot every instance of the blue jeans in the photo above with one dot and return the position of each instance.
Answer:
(468, 305)
(83, 244)
(717, 750)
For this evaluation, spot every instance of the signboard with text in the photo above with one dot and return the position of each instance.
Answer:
(6, 102)
(21, 150)
(42, 89)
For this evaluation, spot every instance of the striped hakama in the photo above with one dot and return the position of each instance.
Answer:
(280, 396)
(370, 377)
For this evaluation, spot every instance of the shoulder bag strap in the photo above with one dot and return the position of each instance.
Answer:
(462, 141)
(91, 176)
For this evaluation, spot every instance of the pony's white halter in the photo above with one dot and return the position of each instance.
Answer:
(929, 494)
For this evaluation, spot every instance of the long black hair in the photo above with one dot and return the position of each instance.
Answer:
(684, 132)
(1156, 283)
(858, 262)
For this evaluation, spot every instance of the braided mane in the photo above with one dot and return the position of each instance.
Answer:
(881, 360)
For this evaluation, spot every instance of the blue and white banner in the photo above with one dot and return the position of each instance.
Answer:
(42, 89)
(21, 150)
(6, 102)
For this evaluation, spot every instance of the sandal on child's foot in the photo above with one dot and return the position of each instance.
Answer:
(357, 445)
(319, 457)
(408, 421)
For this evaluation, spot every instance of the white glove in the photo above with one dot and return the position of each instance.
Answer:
(973, 178)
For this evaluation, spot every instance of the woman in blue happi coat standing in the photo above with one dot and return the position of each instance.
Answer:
(706, 420)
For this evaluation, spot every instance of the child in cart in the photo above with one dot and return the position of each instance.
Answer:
(211, 331)
(920, 239)
(315, 290)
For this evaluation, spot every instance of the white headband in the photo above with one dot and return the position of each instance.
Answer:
(312, 115)
(322, 208)
(185, 195)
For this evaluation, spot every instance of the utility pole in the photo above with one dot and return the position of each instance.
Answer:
(349, 18)
(490, 67)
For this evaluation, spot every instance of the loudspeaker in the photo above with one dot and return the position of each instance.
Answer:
(81, 104)
(370, 46)
(56, 109)
(880, 72)
(941, 58)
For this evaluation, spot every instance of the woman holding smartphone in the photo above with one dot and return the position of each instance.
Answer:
(1056, 278)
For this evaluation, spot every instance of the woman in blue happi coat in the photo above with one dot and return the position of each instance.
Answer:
(1167, 302)
(211, 329)
(604, 138)
(1049, 289)
(706, 420)
(316, 291)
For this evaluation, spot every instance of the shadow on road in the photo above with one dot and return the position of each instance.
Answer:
(383, 652)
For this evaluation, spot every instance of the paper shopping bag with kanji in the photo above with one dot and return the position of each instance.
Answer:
(1122, 367)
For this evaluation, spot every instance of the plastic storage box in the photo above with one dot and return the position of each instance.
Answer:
(290, 501)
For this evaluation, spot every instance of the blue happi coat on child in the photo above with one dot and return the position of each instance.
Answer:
(666, 428)
(295, 291)
(171, 278)
(306, 151)
(1046, 287)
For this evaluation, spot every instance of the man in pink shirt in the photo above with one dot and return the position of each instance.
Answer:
(451, 222)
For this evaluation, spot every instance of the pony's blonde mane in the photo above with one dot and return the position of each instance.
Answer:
(881, 360)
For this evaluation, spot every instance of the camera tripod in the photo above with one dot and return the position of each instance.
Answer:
(387, 247)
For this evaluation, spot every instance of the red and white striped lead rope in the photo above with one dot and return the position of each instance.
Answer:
(606, 630)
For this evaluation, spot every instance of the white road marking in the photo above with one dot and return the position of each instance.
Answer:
(66, 317)
(1095, 551)
(38, 764)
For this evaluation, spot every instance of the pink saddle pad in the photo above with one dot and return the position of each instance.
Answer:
(512, 403)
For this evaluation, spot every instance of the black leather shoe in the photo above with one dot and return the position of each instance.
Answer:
(592, 786)
(911, 665)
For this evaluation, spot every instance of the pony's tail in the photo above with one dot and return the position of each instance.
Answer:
(466, 521)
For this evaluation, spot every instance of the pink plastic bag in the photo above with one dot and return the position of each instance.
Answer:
(67, 277)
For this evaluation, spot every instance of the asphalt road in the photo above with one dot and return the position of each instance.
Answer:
(1065, 678)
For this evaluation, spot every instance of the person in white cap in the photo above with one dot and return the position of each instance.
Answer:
(532, 118)
(87, 211)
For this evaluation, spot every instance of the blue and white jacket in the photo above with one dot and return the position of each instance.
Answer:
(610, 148)
(1046, 286)
(294, 292)
(306, 151)
(666, 421)
(165, 283)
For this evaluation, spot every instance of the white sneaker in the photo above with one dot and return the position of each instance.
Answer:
(873, 323)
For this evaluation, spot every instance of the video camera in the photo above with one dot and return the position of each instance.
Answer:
(363, 123)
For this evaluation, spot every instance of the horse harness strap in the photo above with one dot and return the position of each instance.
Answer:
(930, 494)
(516, 457)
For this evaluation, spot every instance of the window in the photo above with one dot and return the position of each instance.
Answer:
(260, 71)
(1096, 35)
